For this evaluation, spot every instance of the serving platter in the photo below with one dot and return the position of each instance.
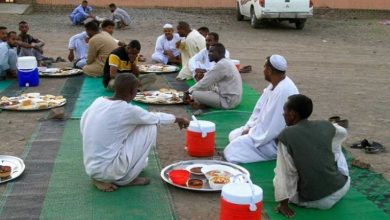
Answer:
(161, 97)
(207, 165)
(157, 68)
(58, 72)
(16, 164)
(31, 102)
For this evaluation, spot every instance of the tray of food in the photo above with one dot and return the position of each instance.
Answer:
(31, 102)
(59, 72)
(10, 168)
(202, 175)
(162, 97)
(157, 68)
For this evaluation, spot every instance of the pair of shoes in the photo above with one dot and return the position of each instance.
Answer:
(369, 148)
(60, 59)
(342, 122)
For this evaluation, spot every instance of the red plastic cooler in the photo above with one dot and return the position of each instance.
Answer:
(201, 138)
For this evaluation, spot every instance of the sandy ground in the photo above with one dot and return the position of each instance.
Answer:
(341, 62)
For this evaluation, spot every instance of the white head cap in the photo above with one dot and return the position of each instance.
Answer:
(168, 26)
(278, 62)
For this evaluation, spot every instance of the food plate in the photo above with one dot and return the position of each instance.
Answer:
(31, 102)
(157, 68)
(58, 72)
(235, 169)
(16, 164)
(161, 97)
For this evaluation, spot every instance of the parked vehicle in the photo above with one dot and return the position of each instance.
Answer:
(294, 11)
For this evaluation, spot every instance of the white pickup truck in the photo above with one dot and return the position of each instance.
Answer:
(294, 11)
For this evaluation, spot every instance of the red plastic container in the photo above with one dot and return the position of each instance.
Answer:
(179, 177)
(236, 199)
(201, 138)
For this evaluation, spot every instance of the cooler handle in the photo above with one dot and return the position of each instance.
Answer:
(204, 133)
(252, 205)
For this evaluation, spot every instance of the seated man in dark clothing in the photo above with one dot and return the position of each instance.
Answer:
(125, 59)
(311, 170)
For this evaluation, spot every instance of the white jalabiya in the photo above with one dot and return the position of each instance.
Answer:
(191, 45)
(80, 47)
(201, 61)
(163, 44)
(265, 124)
(286, 175)
(117, 138)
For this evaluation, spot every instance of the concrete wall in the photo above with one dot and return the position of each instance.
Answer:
(340, 4)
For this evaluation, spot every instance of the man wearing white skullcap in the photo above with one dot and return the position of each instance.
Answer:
(165, 51)
(256, 140)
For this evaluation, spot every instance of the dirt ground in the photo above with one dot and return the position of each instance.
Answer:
(341, 62)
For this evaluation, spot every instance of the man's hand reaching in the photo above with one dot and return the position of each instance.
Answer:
(182, 122)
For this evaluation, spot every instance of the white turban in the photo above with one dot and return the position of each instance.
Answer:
(166, 26)
(278, 62)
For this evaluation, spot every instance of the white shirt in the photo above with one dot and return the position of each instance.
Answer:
(106, 125)
(78, 43)
(267, 121)
(201, 60)
(163, 44)
(122, 15)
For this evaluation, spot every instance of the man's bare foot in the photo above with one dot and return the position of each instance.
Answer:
(139, 181)
(283, 209)
(105, 187)
(197, 105)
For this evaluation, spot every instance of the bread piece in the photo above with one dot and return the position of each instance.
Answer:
(26, 102)
(5, 171)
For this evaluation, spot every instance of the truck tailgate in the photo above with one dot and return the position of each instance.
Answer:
(287, 5)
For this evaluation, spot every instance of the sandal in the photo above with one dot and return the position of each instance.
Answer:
(361, 145)
(374, 148)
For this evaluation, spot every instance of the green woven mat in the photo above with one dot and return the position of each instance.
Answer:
(92, 89)
(355, 205)
(72, 196)
(5, 83)
(249, 98)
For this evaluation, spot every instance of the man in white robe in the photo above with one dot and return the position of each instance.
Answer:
(307, 150)
(117, 136)
(200, 63)
(165, 51)
(192, 43)
(255, 141)
(78, 49)
(222, 85)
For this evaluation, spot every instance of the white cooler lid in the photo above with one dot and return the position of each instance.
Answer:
(207, 126)
(27, 62)
(241, 193)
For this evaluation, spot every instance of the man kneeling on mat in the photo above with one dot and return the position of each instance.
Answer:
(311, 169)
(117, 136)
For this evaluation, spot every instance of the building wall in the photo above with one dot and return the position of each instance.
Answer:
(341, 4)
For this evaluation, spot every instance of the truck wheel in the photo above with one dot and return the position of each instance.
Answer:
(254, 21)
(240, 17)
(299, 25)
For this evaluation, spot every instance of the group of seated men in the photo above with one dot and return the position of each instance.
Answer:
(117, 136)
(311, 170)
(14, 45)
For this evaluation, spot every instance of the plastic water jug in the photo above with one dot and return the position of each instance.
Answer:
(200, 138)
(28, 71)
(241, 200)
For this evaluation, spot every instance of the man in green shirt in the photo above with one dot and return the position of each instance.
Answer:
(311, 170)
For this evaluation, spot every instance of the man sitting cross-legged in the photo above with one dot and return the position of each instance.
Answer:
(117, 136)
(311, 169)
(221, 87)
